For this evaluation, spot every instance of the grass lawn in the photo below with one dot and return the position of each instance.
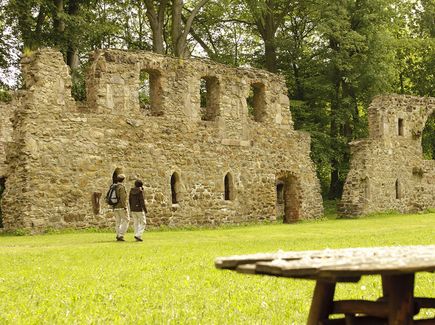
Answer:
(86, 277)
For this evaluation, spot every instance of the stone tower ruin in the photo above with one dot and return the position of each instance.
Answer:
(228, 156)
(388, 172)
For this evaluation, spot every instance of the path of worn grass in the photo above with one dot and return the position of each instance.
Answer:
(170, 278)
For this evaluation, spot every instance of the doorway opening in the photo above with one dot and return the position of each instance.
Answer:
(288, 198)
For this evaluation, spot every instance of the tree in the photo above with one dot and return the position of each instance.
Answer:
(179, 32)
(268, 16)
(156, 13)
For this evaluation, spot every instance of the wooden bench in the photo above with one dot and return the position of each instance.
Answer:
(396, 266)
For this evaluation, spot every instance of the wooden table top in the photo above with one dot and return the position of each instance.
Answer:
(335, 263)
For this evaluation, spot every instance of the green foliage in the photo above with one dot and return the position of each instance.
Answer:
(170, 278)
(5, 95)
(335, 55)
(144, 90)
(78, 90)
(428, 138)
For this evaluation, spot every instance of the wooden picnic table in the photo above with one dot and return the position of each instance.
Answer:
(396, 266)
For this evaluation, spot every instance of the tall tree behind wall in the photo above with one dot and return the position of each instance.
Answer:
(268, 16)
(171, 22)
(355, 69)
(336, 59)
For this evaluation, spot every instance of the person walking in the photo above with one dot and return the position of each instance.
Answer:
(120, 209)
(138, 209)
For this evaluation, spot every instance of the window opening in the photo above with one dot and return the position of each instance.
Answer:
(229, 187)
(175, 185)
(2, 189)
(150, 92)
(400, 127)
(398, 190)
(209, 98)
(367, 189)
(256, 102)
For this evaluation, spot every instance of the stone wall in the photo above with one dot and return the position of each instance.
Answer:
(6, 113)
(387, 170)
(62, 154)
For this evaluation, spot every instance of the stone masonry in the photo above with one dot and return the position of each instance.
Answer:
(388, 172)
(209, 163)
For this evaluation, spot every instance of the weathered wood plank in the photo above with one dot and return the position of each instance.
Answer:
(351, 320)
(369, 308)
(349, 262)
(425, 302)
(246, 268)
(231, 262)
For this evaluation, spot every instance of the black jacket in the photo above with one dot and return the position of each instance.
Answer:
(136, 200)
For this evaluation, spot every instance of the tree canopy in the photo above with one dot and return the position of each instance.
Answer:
(335, 55)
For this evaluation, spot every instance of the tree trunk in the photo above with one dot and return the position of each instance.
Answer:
(270, 54)
(177, 42)
(334, 186)
(269, 41)
(33, 40)
(266, 26)
(72, 56)
(157, 22)
(58, 23)
(299, 89)
(179, 36)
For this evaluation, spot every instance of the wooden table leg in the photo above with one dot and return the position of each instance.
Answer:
(399, 292)
(322, 303)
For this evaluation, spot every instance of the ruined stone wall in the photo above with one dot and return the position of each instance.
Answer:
(6, 113)
(387, 170)
(62, 155)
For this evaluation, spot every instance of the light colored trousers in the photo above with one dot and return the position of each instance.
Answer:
(139, 221)
(122, 219)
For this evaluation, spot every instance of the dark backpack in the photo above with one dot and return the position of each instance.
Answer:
(111, 197)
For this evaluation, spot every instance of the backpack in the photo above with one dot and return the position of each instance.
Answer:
(111, 197)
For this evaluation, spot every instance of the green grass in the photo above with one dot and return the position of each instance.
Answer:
(84, 277)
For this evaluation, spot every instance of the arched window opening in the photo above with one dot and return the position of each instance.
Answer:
(400, 127)
(209, 98)
(229, 187)
(256, 102)
(398, 190)
(150, 92)
(366, 187)
(427, 139)
(175, 188)
(2, 189)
